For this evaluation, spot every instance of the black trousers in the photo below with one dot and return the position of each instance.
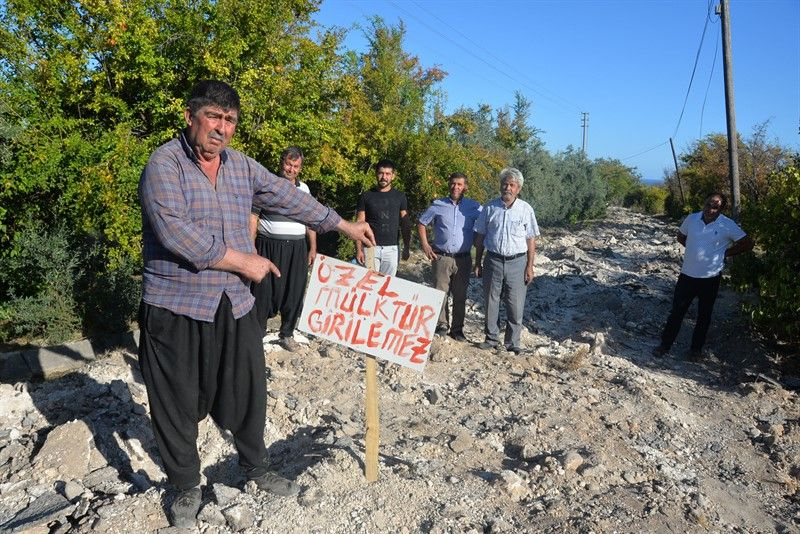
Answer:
(193, 368)
(686, 289)
(284, 294)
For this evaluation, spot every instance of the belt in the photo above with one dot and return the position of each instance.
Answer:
(451, 254)
(505, 258)
(281, 237)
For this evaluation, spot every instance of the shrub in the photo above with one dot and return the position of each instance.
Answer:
(59, 286)
(774, 222)
(647, 198)
(39, 282)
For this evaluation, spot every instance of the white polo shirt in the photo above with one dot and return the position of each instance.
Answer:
(706, 244)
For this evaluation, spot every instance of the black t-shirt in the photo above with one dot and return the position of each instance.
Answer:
(383, 213)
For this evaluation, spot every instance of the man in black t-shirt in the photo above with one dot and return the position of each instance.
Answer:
(385, 209)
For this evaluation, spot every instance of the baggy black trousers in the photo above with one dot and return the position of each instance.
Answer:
(284, 294)
(686, 289)
(193, 368)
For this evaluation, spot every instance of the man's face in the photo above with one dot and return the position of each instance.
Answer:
(290, 168)
(509, 189)
(712, 208)
(458, 186)
(210, 130)
(385, 176)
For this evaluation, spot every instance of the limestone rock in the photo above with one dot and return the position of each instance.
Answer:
(67, 450)
(571, 461)
(239, 517)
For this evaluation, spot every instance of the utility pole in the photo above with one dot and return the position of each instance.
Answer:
(585, 126)
(677, 172)
(733, 145)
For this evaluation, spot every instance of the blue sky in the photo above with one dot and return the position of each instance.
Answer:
(627, 63)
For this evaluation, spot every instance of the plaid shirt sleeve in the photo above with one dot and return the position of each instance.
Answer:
(282, 197)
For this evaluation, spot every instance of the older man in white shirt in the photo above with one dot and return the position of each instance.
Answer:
(507, 229)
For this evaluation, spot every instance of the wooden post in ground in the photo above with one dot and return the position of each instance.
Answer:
(373, 420)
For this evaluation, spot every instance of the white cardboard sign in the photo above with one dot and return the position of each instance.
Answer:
(381, 315)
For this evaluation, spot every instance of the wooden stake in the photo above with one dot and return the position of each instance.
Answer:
(373, 420)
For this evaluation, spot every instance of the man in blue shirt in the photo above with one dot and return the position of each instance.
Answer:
(453, 219)
(507, 228)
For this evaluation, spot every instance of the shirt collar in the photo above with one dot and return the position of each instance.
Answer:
(187, 149)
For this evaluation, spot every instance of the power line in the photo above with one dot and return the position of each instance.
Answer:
(487, 63)
(645, 151)
(571, 105)
(694, 69)
(710, 76)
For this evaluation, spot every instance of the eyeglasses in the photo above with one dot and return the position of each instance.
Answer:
(713, 206)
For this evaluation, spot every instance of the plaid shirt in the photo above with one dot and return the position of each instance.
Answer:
(187, 226)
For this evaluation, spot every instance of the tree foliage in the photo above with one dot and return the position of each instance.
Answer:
(774, 222)
(89, 88)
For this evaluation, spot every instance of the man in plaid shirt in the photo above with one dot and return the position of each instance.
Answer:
(200, 350)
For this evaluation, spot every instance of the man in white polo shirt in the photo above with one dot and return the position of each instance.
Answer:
(709, 238)
(292, 247)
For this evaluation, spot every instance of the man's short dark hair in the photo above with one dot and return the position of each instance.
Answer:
(385, 164)
(457, 175)
(291, 153)
(723, 199)
(213, 93)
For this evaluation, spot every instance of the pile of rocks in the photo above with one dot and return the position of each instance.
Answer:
(584, 432)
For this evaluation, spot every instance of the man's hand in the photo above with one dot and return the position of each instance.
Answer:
(528, 274)
(428, 250)
(312, 254)
(357, 231)
(249, 265)
(360, 256)
(406, 254)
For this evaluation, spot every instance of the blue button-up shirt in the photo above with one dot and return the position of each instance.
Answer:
(188, 225)
(452, 223)
(507, 230)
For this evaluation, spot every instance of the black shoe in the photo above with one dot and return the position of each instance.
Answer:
(458, 336)
(487, 345)
(515, 350)
(441, 329)
(274, 483)
(659, 352)
(183, 510)
(694, 355)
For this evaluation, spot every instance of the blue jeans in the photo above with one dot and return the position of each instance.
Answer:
(386, 258)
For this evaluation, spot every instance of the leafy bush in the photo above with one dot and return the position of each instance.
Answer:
(774, 222)
(620, 180)
(647, 199)
(39, 281)
(108, 290)
(58, 286)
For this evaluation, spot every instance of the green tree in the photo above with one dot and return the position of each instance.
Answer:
(620, 179)
(774, 222)
(88, 89)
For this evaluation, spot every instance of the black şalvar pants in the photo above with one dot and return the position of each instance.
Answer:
(193, 368)
(284, 294)
(686, 289)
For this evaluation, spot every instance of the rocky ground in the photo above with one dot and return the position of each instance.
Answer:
(584, 433)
